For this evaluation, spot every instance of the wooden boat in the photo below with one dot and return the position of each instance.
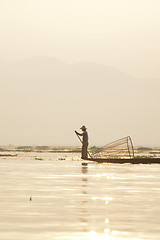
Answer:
(120, 151)
(135, 160)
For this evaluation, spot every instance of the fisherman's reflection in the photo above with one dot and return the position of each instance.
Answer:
(84, 211)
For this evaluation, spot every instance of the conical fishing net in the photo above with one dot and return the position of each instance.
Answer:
(122, 148)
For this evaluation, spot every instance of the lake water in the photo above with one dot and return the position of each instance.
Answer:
(54, 197)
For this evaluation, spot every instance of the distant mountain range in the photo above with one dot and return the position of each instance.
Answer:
(43, 99)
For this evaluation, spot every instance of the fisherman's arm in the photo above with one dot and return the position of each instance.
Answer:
(80, 134)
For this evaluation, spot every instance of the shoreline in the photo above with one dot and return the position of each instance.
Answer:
(6, 150)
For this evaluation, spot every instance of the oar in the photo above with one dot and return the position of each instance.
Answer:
(82, 143)
(78, 137)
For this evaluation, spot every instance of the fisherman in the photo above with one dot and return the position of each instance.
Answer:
(84, 135)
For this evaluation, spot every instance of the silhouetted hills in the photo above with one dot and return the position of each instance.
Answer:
(43, 97)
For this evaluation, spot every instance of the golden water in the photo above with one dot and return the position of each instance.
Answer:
(64, 200)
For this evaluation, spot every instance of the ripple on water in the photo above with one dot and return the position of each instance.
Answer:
(65, 200)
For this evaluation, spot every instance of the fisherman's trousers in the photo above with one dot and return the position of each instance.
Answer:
(84, 150)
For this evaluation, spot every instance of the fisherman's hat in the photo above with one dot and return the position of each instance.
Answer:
(83, 127)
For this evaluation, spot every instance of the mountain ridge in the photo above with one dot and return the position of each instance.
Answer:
(38, 96)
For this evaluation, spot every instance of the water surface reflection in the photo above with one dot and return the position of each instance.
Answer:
(90, 211)
(84, 203)
(71, 201)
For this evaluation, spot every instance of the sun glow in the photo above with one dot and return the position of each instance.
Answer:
(106, 220)
(95, 236)
(108, 234)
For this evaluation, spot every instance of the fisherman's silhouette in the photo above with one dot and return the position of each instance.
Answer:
(84, 135)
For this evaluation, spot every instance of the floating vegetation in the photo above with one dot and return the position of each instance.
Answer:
(61, 159)
(37, 158)
(41, 149)
(8, 155)
(144, 149)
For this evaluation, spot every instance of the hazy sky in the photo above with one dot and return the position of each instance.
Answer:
(43, 101)
(120, 33)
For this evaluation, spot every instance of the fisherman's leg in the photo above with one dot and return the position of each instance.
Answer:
(85, 153)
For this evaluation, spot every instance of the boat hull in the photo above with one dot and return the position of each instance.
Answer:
(136, 160)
